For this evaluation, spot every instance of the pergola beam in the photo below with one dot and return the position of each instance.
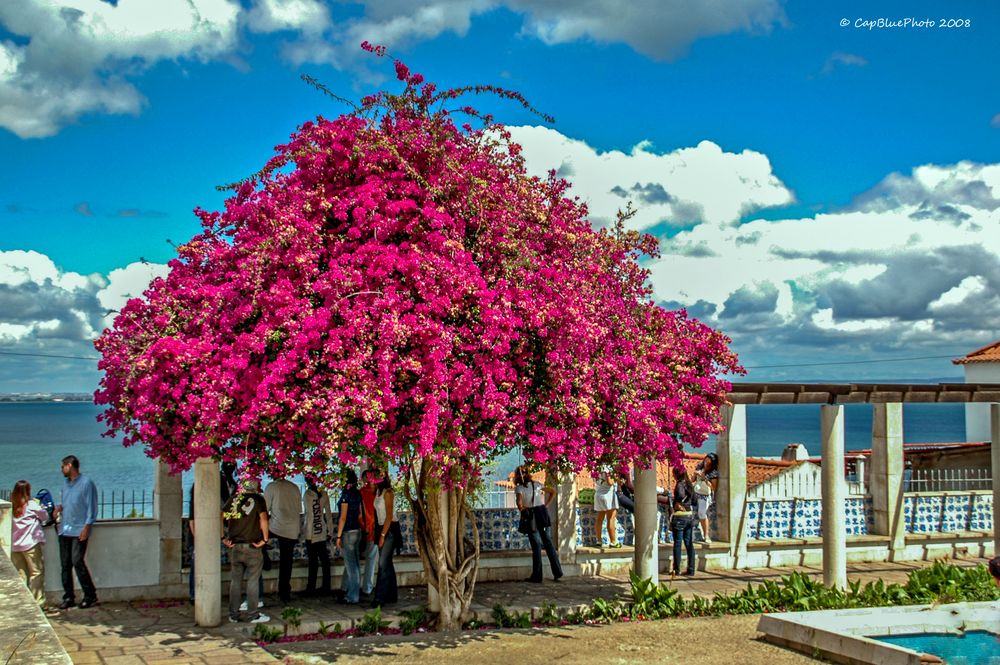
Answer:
(861, 393)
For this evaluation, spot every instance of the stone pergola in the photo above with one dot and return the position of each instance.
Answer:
(886, 480)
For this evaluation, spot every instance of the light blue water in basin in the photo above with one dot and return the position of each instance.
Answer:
(975, 647)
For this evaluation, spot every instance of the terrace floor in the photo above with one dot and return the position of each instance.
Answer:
(152, 633)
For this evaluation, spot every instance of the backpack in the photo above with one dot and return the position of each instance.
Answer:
(44, 497)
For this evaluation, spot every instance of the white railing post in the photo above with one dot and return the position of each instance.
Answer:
(834, 526)
(731, 447)
(207, 543)
(995, 472)
(646, 555)
(887, 474)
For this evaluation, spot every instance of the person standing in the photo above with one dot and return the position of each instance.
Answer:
(318, 529)
(370, 548)
(284, 506)
(530, 495)
(606, 507)
(390, 540)
(707, 473)
(27, 539)
(682, 521)
(78, 511)
(245, 535)
(349, 536)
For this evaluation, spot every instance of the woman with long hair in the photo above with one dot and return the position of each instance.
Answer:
(349, 536)
(27, 539)
(532, 499)
(390, 540)
(707, 472)
(682, 521)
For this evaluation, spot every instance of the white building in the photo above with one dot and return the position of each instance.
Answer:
(981, 366)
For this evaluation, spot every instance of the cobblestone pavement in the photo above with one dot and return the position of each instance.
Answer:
(148, 633)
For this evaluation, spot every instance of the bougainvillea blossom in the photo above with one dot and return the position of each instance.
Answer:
(393, 286)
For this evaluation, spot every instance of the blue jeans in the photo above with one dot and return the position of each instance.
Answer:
(682, 530)
(386, 590)
(539, 539)
(352, 568)
(371, 567)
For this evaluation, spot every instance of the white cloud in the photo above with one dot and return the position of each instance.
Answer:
(125, 283)
(41, 304)
(80, 53)
(678, 188)
(83, 56)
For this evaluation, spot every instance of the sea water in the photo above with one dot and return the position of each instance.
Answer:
(35, 436)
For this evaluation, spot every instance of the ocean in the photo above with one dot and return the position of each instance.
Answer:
(34, 437)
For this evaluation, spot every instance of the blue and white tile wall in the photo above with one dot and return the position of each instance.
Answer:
(801, 518)
(927, 514)
(948, 512)
(981, 518)
(808, 513)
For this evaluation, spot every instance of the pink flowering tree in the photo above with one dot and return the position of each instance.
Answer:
(393, 287)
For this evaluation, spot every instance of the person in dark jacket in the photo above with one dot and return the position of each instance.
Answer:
(682, 521)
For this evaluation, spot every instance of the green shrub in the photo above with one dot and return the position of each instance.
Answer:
(606, 610)
(504, 618)
(291, 616)
(264, 633)
(372, 622)
(550, 615)
(413, 619)
(327, 628)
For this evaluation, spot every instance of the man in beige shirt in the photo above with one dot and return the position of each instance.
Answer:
(284, 507)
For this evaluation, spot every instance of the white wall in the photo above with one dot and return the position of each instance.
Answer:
(977, 416)
(120, 554)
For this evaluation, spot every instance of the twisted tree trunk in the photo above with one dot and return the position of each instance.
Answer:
(450, 558)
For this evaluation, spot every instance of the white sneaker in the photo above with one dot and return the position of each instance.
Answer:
(243, 605)
(260, 618)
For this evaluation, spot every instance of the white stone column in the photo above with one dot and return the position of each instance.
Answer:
(834, 529)
(886, 486)
(168, 510)
(565, 518)
(207, 543)
(646, 559)
(731, 494)
(6, 524)
(995, 462)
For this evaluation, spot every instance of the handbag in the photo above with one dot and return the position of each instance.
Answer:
(702, 487)
(526, 524)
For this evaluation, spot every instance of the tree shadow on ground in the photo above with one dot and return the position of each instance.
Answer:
(329, 651)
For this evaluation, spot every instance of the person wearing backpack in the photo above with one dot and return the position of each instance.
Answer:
(27, 539)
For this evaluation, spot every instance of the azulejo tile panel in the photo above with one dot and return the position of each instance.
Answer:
(957, 512)
(982, 513)
(927, 514)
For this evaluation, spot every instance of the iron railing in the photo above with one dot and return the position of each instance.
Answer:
(945, 480)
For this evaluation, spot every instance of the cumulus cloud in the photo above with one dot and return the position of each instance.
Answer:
(678, 188)
(914, 263)
(42, 305)
(77, 57)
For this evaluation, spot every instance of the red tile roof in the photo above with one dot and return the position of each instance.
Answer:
(988, 354)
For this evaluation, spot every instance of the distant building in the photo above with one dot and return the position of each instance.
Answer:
(981, 366)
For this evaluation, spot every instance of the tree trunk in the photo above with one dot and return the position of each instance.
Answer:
(450, 558)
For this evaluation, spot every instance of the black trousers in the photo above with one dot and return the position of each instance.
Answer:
(286, 550)
(539, 539)
(386, 590)
(318, 555)
(71, 553)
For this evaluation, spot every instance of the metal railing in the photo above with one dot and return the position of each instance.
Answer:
(943, 480)
(117, 504)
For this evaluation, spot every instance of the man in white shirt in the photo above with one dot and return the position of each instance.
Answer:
(284, 507)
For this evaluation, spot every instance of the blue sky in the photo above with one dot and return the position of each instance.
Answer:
(823, 193)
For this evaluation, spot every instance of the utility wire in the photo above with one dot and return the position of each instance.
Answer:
(47, 355)
(853, 362)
